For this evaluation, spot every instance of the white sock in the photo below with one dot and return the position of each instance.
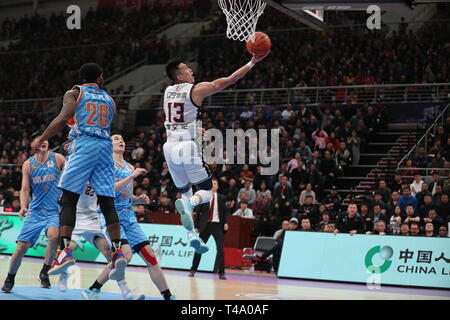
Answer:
(123, 287)
(205, 195)
(194, 200)
(187, 195)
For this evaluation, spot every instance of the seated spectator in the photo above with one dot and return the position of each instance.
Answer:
(350, 222)
(421, 195)
(443, 209)
(443, 232)
(414, 229)
(259, 207)
(366, 216)
(307, 192)
(410, 170)
(378, 215)
(248, 191)
(421, 160)
(404, 229)
(427, 206)
(396, 183)
(429, 230)
(324, 220)
(309, 210)
(411, 215)
(333, 201)
(438, 196)
(343, 156)
(284, 226)
(378, 200)
(407, 199)
(305, 152)
(395, 221)
(380, 228)
(384, 191)
(244, 211)
(432, 217)
(246, 174)
(165, 205)
(435, 182)
(305, 225)
(330, 227)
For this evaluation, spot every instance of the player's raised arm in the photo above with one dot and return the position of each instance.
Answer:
(119, 185)
(67, 111)
(25, 189)
(205, 89)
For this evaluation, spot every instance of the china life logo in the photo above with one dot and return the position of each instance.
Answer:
(385, 253)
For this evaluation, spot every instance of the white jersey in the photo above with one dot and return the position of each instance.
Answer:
(181, 113)
(87, 204)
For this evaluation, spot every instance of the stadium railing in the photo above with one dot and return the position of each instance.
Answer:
(423, 141)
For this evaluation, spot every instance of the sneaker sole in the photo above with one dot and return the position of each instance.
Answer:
(198, 246)
(86, 297)
(61, 268)
(186, 219)
(119, 271)
(6, 291)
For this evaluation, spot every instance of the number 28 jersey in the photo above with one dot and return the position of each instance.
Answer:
(181, 113)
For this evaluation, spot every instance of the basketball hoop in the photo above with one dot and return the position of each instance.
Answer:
(242, 16)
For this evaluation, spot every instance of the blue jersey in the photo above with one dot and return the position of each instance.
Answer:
(123, 197)
(43, 182)
(94, 112)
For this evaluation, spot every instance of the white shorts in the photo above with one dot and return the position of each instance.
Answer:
(89, 227)
(185, 163)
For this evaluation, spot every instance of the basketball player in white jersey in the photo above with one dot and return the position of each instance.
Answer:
(88, 225)
(182, 151)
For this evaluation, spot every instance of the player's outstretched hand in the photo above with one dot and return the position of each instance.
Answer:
(139, 172)
(22, 212)
(257, 59)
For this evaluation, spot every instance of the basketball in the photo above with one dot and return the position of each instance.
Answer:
(260, 46)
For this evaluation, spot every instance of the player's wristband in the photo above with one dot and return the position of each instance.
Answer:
(250, 64)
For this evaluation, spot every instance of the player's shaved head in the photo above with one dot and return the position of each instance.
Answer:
(90, 72)
(172, 68)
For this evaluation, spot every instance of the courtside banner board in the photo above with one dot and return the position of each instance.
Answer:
(169, 242)
(371, 259)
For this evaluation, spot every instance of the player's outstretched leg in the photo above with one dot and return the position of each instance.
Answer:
(155, 272)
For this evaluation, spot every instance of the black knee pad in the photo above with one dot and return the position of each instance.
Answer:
(205, 184)
(184, 189)
(108, 209)
(69, 202)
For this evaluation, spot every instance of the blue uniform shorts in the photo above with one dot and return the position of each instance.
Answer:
(34, 223)
(90, 159)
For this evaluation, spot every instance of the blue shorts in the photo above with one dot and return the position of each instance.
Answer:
(90, 159)
(35, 223)
(131, 231)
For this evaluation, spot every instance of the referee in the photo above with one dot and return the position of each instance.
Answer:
(212, 220)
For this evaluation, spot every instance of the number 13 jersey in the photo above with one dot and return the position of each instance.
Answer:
(181, 113)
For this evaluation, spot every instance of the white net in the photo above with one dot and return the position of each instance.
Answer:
(242, 16)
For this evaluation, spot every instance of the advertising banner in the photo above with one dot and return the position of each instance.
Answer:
(371, 259)
(169, 242)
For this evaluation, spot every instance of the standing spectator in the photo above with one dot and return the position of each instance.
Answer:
(320, 139)
(354, 144)
(343, 156)
(416, 186)
(283, 196)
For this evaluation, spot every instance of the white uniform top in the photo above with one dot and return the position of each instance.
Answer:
(87, 204)
(181, 113)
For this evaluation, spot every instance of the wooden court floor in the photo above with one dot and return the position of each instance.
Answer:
(207, 286)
